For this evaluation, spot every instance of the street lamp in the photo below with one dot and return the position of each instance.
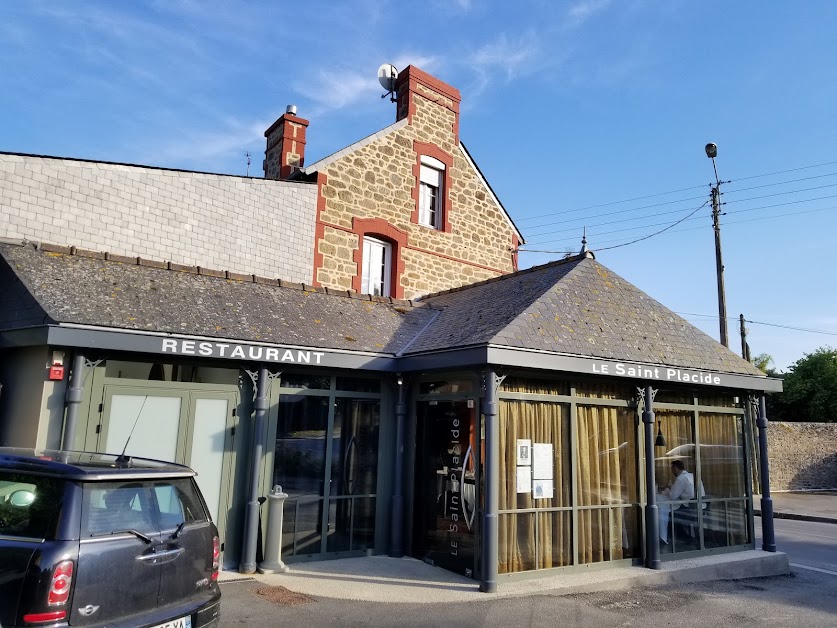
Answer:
(715, 193)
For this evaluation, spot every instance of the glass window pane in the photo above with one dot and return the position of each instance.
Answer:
(554, 539)
(116, 506)
(157, 421)
(359, 384)
(209, 433)
(722, 455)
(302, 380)
(301, 435)
(516, 542)
(354, 454)
(607, 456)
(29, 505)
(535, 386)
(302, 526)
(605, 390)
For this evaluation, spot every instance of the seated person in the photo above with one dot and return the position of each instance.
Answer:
(681, 494)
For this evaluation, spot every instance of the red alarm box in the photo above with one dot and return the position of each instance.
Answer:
(56, 372)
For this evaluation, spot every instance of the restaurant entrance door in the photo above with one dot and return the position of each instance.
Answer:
(447, 485)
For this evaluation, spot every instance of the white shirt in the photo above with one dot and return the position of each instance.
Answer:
(683, 489)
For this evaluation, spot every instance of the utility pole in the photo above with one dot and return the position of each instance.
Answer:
(715, 190)
(745, 348)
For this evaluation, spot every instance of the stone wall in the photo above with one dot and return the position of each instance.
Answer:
(802, 456)
(377, 179)
(250, 226)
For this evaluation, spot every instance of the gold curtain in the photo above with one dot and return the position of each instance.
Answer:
(676, 427)
(721, 455)
(606, 476)
(540, 422)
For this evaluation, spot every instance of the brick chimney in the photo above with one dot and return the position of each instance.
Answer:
(413, 85)
(285, 145)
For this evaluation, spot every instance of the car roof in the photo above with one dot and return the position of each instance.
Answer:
(87, 466)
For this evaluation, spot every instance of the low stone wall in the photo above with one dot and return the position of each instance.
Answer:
(803, 456)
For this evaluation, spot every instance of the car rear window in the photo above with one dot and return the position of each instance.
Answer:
(144, 506)
(29, 505)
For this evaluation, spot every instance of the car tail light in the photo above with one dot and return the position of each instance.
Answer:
(62, 578)
(216, 557)
(43, 618)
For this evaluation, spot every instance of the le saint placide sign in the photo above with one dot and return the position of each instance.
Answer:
(667, 374)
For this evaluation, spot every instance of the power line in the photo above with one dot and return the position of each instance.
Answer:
(657, 224)
(791, 327)
(740, 200)
(733, 222)
(686, 189)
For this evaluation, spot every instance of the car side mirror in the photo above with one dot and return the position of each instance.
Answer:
(22, 498)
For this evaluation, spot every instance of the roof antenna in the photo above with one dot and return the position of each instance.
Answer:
(247, 154)
(122, 457)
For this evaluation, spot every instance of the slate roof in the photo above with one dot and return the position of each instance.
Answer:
(578, 307)
(571, 307)
(61, 288)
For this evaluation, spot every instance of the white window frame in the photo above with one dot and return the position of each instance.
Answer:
(431, 191)
(377, 267)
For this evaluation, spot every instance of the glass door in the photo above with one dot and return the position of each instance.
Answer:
(326, 460)
(446, 485)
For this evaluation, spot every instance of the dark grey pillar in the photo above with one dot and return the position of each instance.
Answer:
(652, 519)
(490, 552)
(768, 538)
(251, 514)
(396, 549)
(75, 392)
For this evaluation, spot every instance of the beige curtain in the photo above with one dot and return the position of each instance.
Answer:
(721, 455)
(606, 477)
(540, 422)
(676, 427)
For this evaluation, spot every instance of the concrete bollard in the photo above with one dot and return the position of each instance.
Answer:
(272, 562)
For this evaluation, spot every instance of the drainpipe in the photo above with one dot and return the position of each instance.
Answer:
(73, 398)
(768, 538)
(251, 514)
(490, 551)
(652, 520)
(397, 534)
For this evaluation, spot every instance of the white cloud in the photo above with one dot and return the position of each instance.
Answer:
(508, 58)
(580, 12)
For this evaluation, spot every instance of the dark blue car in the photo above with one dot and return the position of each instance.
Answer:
(98, 540)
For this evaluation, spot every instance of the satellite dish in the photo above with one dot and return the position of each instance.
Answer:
(387, 74)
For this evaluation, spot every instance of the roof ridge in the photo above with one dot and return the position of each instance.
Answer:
(130, 165)
(505, 277)
(227, 275)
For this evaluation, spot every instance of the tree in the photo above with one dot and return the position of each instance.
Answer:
(762, 362)
(810, 389)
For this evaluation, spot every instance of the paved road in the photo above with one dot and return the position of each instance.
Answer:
(809, 545)
(805, 599)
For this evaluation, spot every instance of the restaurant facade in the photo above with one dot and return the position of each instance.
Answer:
(374, 350)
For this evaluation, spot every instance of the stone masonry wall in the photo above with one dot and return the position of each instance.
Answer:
(220, 222)
(377, 181)
(802, 455)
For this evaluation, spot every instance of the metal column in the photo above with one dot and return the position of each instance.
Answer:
(251, 514)
(652, 520)
(490, 550)
(396, 549)
(74, 395)
(768, 538)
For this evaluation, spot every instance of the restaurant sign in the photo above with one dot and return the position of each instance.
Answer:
(664, 373)
(235, 351)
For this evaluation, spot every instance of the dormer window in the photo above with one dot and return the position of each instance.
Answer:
(376, 267)
(430, 192)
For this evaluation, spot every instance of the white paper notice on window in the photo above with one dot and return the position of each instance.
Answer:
(524, 451)
(542, 461)
(524, 479)
(542, 489)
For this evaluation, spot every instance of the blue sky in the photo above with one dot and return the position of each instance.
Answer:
(570, 109)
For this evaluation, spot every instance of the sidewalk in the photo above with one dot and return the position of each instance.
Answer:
(818, 506)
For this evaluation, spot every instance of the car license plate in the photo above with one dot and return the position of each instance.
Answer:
(180, 622)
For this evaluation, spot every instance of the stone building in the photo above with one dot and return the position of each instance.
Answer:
(358, 332)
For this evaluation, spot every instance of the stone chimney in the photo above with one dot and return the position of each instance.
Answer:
(415, 88)
(285, 151)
